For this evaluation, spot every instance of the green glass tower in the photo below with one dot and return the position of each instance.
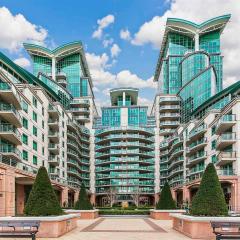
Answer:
(124, 144)
(190, 62)
(65, 64)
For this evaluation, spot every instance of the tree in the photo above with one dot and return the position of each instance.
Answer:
(166, 201)
(83, 202)
(135, 196)
(42, 200)
(111, 195)
(209, 200)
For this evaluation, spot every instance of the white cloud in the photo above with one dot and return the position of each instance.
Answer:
(125, 79)
(115, 50)
(103, 23)
(16, 29)
(22, 62)
(103, 79)
(125, 34)
(151, 32)
(107, 42)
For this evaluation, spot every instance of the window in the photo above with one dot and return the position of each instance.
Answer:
(213, 130)
(35, 160)
(214, 158)
(214, 144)
(34, 116)
(43, 111)
(42, 137)
(25, 123)
(34, 131)
(43, 151)
(35, 145)
(42, 124)
(25, 106)
(25, 155)
(25, 139)
(34, 102)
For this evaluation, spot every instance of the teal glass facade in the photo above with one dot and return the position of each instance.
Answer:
(188, 51)
(124, 146)
(67, 60)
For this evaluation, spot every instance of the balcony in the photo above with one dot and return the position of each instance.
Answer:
(225, 122)
(53, 160)
(53, 112)
(177, 152)
(82, 118)
(164, 153)
(9, 113)
(80, 102)
(9, 94)
(196, 158)
(197, 145)
(164, 144)
(197, 132)
(169, 116)
(166, 131)
(226, 172)
(169, 100)
(53, 148)
(10, 151)
(61, 78)
(226, 139)
(53, 123)
(10, 133)
(80, 110)
(53, 136)
(169, 108)
(225, 158)
(168, 124)
(53, 173)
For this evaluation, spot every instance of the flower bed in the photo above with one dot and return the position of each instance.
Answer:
(51, 227)
(84, 214)
(164, 214)
(198, 227)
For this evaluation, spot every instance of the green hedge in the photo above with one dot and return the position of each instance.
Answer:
(123, 212)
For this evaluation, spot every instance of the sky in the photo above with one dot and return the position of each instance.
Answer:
(121, 38)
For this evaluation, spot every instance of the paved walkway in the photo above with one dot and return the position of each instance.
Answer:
(122, 229)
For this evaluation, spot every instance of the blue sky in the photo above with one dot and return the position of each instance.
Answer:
(133, 61)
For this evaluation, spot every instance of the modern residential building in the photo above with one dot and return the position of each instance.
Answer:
(125, 154)
(124, 145)
(203, 116)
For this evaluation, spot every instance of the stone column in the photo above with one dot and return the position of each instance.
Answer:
(20, 198)
(64, 197)
(76, 194)
(7, 192)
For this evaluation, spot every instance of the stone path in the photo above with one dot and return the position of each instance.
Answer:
(122, 229)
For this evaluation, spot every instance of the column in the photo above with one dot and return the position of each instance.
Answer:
(196, 38)
(20, 195)
(124, 98)
(64, 197)
(7, 192)
(54, 68)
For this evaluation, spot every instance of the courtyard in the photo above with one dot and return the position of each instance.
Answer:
(122, 228)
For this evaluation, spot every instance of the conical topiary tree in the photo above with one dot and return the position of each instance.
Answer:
(42, 200)
(209, 200)
(83, 202)
(166, 201)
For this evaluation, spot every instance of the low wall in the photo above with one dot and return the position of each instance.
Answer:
(84, 214)
(51, 227)
(164, 214)
(198, 227)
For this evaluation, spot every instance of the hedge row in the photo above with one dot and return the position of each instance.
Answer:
(124, 212)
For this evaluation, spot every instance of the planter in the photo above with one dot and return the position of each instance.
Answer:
(84, 214)
(51, 227)
(198, 227)
(164, 214)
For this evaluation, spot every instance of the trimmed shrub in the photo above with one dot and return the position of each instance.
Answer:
(209, 199)
(166, 201)
(83, 202)
(42, 200)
